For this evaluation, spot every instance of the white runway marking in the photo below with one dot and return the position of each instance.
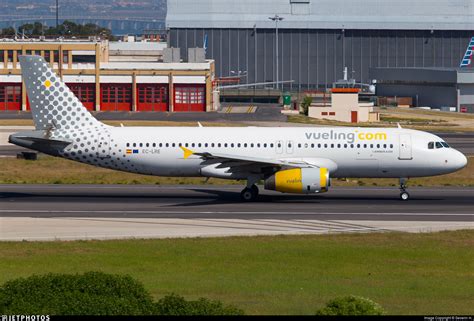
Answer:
(228, 212)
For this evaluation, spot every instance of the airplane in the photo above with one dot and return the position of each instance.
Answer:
(288, 160)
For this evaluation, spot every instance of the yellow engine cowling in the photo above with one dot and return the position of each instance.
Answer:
(299, 181)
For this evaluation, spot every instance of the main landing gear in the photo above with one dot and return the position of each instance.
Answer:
(404, 196)
(250, 193)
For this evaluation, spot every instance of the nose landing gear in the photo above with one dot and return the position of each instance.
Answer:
(404, 196)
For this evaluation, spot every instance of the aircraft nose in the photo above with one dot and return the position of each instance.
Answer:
(461, 160)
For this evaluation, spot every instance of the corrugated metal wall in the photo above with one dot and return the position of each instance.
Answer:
(316, 58)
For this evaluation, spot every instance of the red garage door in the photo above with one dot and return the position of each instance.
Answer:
(116, 97)
(10, 96)
(85, 93)
(189, 97)
(152, 97)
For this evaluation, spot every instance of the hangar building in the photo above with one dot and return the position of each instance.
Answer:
(318, 38)
(120, 76)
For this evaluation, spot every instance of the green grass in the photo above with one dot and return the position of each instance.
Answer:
(405, 273)
(51, 170)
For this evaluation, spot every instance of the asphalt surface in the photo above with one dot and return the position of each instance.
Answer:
(70, 212)
(264, 112)
(426, 204)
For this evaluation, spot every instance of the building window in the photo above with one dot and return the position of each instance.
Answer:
(324, 113)
(332, 113)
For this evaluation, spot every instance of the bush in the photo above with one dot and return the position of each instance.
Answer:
(92, 293)
(176, 305)
(351, 305)
(307, 101)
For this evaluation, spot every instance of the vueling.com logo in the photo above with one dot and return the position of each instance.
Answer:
(348, 137)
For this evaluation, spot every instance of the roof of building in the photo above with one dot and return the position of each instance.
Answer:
(323, 14)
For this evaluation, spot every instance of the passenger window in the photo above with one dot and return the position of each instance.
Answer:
(238, 145)
(167, 145)
(232, 145)
(251, 145)
(174, 145)
(128, 144)
(258, 145)
(352, 145)
(212, 145)
(332, 145)
(225, 145)
(199, 145)
(338, 145)
(312, 145)
(154, 145)
(265, 145)
(319, 145)
(384, 145)
(325, 145)
(299, 145)
(271, 145)
(141, 144)
(305, 145)
(345, 145)
(279, 145)
(358, 145)
(371, 145)
(192, 144)
(378, 145)
(439, 145)
(178, 145)
(365, 145)
(205, 145)
(186, 144)
(161, 145)
(147, 144)
(245, 145)
(391, 145)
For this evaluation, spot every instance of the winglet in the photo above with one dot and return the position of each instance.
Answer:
(200, 125)
(187, 152)
(398, 125)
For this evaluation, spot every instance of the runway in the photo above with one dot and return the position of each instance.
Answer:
(68, 212)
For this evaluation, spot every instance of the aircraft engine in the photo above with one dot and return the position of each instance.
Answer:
(299, 181)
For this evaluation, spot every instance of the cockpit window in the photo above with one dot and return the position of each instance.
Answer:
(445, 144)
(439, 145)
(431, 145)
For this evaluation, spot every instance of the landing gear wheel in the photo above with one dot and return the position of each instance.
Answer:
(404, 196)
(249, 194)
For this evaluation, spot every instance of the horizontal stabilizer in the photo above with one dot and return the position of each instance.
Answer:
(39, 140)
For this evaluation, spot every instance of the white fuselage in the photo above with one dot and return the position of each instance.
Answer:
(352, 152)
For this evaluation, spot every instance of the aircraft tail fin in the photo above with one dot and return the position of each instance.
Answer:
(53, 104)
(468, 56)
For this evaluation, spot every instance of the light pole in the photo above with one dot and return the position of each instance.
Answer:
(276, 18)
(57, 14)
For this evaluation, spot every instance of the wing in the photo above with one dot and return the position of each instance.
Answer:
(239, 163)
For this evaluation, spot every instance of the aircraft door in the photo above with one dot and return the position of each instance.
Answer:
(405, 151)
(279, 147)
(289, 147)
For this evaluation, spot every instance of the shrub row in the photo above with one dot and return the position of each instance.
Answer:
(97, 293)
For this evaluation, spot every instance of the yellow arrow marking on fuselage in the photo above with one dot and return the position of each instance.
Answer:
(187, 152)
